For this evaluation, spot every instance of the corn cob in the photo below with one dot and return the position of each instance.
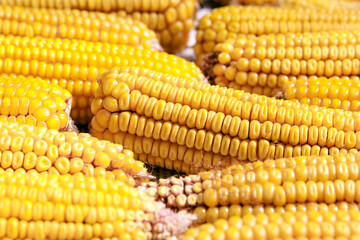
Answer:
(80, 25)
(42, 206)
(76, 65)
(35, 102)
(171, 20)
(325, 179)
(138, 83)
(228, 22)
(302, 225)
(210, 215)
(24, 147)
(157, 109)
(275, 60)
(334, 93)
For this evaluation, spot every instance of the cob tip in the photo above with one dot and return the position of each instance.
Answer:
(168, 224)
(206, 65)
(70, 126)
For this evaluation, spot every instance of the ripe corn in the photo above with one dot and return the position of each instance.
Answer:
(210, 215)
(29, 148)
(80, 25)
(42, 206)
(272, 61)
(213, 120)
(76, 65)
(288, 225)
(325, 179)
(35, 102)
(229, 22)
(171, 20)
(334, 93)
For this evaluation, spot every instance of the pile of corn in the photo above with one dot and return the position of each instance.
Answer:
(260, 135)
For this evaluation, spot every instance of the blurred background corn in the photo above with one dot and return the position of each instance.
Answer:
(289, 225)
(76, 65)
(324, 92)
(80, 25)
(317, 179)
(266, 64)
(27, 148)
(152, 117)
(171, 20)
(35, 102)
(228, 22)
(42, 206)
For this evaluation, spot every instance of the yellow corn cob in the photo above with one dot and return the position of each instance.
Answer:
(177, 91)
(171, 20)
(325, 179)
(228, 22)
(35, 102)
(274, 60)
(42, 206)
(334, 93)
(210, 215)
(288, 225)
(28, 148)
(214, 120)
(80, 25)
(76, 65)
